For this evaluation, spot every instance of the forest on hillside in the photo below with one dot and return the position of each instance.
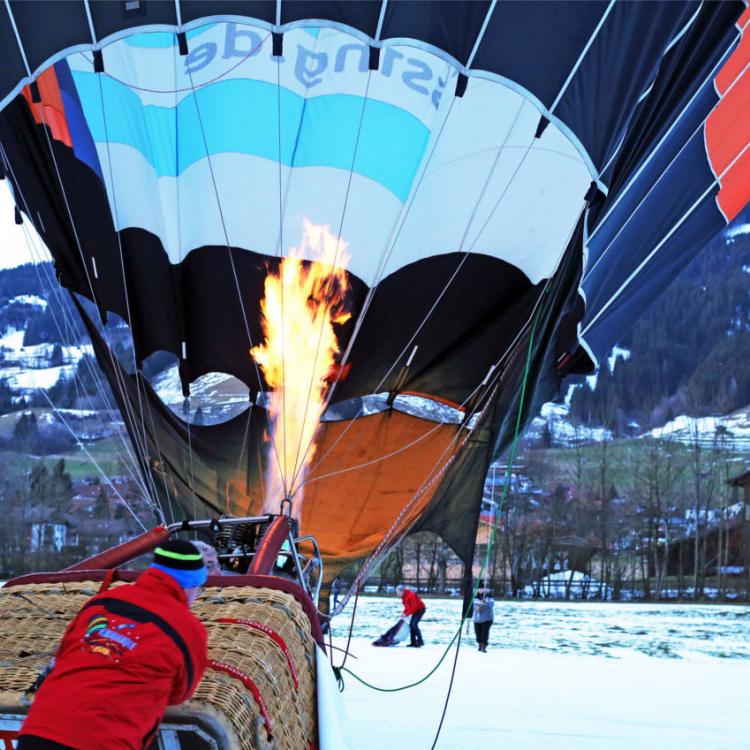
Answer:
(689, 352)
(612, 520)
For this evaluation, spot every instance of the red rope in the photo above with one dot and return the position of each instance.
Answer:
(273, 635)
(245, 679)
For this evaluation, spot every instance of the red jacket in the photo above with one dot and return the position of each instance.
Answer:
(128, 653)
(412, 603)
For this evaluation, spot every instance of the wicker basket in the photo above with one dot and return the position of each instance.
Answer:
(261, 684)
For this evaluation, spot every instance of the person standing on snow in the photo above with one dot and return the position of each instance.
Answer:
(413, 607)
(484, 616)
(128, 654)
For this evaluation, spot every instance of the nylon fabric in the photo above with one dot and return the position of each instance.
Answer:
(169, 186)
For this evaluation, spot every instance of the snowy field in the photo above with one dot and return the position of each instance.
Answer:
(557, 677)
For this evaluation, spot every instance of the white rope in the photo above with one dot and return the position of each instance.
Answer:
(394, 528)
(438, 470)
(381, 19)
(384, 258)
(661, 176)
(634, 178)
(280, 249)
(69, 329)
(18, 38)
(90, 21)
(282, 214)
(661, 243)
(488, 383)
(126, 292)
(26, 205)
(455, 273)
(245, 434)
(583, 54)
(467, 252)
(231, 258)
(83, 261)
(80, 250)
(480, 35)
(92, 459)
(495, 376)
(170, 502)
(300, 464)
(192, 468)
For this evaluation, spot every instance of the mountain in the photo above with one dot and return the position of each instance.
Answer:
(688, 354)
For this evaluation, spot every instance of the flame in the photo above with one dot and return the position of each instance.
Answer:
(302, 303)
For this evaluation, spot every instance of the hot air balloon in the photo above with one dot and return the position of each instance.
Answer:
(396, 225)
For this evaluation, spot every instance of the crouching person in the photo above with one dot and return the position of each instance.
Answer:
(128, 654)
(414, 608)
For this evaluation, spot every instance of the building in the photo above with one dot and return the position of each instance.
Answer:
(720, 536)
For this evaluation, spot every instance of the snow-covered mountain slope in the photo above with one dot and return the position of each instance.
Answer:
(28, 368)
(733, 429)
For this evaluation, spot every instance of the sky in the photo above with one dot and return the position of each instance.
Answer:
(14, 250)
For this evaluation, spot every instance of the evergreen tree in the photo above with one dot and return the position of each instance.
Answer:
(62, 479)
(42, 328)
(6, 397)
(22, 280)
(39, 484)
(26, 433)
(547, 437)
(49, 488)
(87, 371)
(56, 358)
(63, 393)
(101, 506)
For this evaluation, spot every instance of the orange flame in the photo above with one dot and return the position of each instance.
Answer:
(302, 303)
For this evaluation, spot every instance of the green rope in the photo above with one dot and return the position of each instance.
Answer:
(512, 456)
(338, 670)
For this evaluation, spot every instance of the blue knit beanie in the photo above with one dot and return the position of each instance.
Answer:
(183, 561)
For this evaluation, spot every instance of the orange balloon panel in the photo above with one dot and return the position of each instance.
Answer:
(50, 110)
(369, 470)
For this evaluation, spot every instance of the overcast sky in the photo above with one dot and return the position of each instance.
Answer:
(14, 249)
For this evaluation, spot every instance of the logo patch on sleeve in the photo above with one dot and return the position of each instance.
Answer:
(108, 638)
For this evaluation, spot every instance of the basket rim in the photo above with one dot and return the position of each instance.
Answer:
(214, 581)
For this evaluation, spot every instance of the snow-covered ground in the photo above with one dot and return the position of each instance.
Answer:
(27, 380)
(219, 396)
(685, 429)
(27, 368)
(563, 431)
(557, 677)
(681, 429)
(36, 355)
(29, 299)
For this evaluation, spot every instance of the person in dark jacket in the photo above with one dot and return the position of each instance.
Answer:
(128, 654)
(414, 608)
(484, 616)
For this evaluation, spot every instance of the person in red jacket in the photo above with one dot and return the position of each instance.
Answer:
(128, 654)
(413, 607)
